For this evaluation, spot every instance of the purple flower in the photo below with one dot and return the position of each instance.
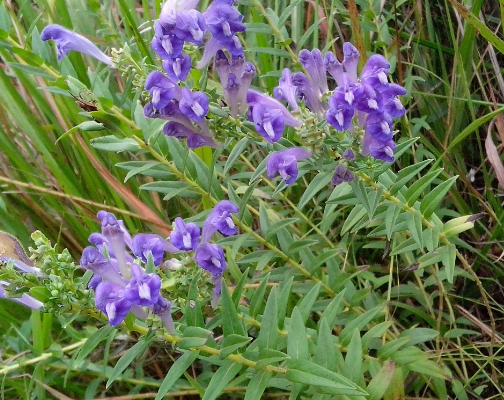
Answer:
(216, 292)
(349, 155)
(177, 68)
(161, 89)
(167, 16)
(144, 243)
(231, 92)
(375, 72)
(348, 93)
(185, 236)
(220, 219)
(190, 26)
(94, 281)
(163, 309)
(381, 150)
(237, 64)
(142, 289)
(194, 105)
(350, 60)
(321, 71)
(223, 21)
(116, 235)
(212, 46)
(109, 299)
(165, 43)
(339, 115)
(196, 140)
(367, 99)
(308, 62)
(67, 40)
(286, 89)
(379, 126)
(177, 130)
(254, 98)
(222, 66)
(342, 174)
(308, 92)
(93, 260)
(211, 258)
(25, 298)
(249, 71)
(334, 67)
(285, 163)
(391, 104)
(269, 122)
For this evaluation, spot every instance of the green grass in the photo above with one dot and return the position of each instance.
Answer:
(441, 54)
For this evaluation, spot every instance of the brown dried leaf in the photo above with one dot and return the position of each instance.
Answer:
(493, 157)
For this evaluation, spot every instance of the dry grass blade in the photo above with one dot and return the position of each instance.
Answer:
(493, 156)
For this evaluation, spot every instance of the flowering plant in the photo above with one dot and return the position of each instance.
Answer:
(246, 278)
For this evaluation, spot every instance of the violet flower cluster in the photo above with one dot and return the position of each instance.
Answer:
(180, 22)
(121, 279)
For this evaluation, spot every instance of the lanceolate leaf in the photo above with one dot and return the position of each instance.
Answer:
(269, 323)
(297, 343)
(175, 372)
(257, 385)
(220, 379)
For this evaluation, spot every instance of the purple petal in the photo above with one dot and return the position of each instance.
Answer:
(381, 150)
(254, 97)
(185, 236)
(178, 68)
(67, 40)
(351, 60)
(194, 105)
(211, 258)
(109, 299)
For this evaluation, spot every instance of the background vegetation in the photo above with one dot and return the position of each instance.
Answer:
(447, 57)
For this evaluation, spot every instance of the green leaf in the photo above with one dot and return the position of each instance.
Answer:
(238, 149)
(358, 323)
(361, 193)
(283, 301)
(333, 309)
(128, 358)
(239, 287)
(432, 200)
(270, 356)
(316, 185)
(257, 385)
(415, 190)
(325, 353)
(232, 343)
(193, 314)
(414, 223)
(353, 218)
(93, 341)
(381, 381)
(230, 322)
(389, 349)
(306, 304)
(297, 344)
(406, 174)
(176, 371)
(257, 300)
(449, 256)
(268, 334)
(277, 226)
(111, 143)
(220, 379)
(393, 211)
(308, 373)
(353, 360)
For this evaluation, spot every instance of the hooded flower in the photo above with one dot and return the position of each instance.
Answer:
(334, 67)
(379, 126)
(269, 122)
(211, 258)
(94, 261)
(350, 60)
(309, 92)
(142, 289)
(163, 309)
(67, 40)
(342, 174)
(391, 103)
(165, 43)
(161, 89)
(185, 236)
(285, 163)
(231, 92)
(194, 105)
(144, 243)
(339, 115)
(381, 150)
(375, 72)
(25, 299)
(254, 98)
(220, 219)
(109, 299)
(190, 26)
(177, 68)
(286, 89)
(196, 140)
(223, 21)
